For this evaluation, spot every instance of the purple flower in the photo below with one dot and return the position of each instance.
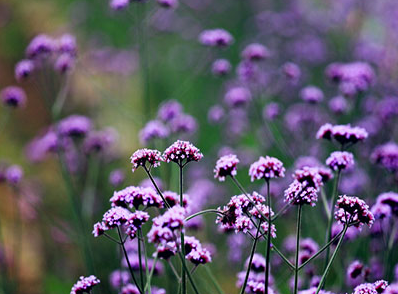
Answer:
(23, 69)
(355, 273)
(182, 150)
(215, 114)
(42, 145)
(154, 129)
(119, 4)
(13, 96)
(344, 134)
(84, 285)
(74, 126)
(340, 160)
(237, 97)
(311, 94)
(291, 71)
(135, 196)
(99, 141)
(226, 166)
(221, 67)
(143, 156)
(173, 199)
(271, 111)
(184, 123)
(13, 174)
(298, 194)
(266, 168)
(390, 199)
(64, 63)
(255, 52)
(366, 288)
(216, 38)
(117, 177)
(338, 105)
(168, 3)
(130, 289)
(67, 44)
(119, 278)
(354, 211)
(169, 110)
(40, 46)
(387, 156)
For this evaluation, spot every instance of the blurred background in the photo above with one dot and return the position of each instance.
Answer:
(131, 61)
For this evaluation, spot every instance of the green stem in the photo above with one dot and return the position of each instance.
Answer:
(325, 203)
(323, 279)
(281, 211)
(242, 290)
(268, 252)
(299, 210)
(183, 271)
(188, 273)
(148, 282)
(156, 187)
(146, 263)
(330, 219)
(202, 212)
(140, 259)
(213, 279)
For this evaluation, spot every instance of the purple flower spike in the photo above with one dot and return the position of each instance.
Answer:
(13, 96)
(340, 160)
(182, 150)
(226, 166)
(354, 211)
(84, 285)
(142, 156)
(344, 134)
(266, 168)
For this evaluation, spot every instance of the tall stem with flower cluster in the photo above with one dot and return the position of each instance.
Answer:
(268, 251)
(296, 270)
(183, 274)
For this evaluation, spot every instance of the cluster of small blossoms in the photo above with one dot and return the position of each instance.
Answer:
(117, 217)
(143, 156)
(311, 94)
(133, 196)
(386, 205)
(308, 247)
(305, 186)
(226, 166)
(377, 287)
(60, 52)
(165, 229)
(354, 211)
(340, 160)
(221, 67)
(153, 129)
(99, 141)
(180, 151)
(356, 273)
(344, 134)
(194, 251)
(255, 52)
(84, 285)
(11, 174)
(352, 78)
(387, 156)
(74, 126)
(237, 97)
(266, 168)
(13, 96)
(173, 199)
(216, 38)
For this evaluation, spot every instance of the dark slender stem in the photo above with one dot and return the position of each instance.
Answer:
(323, 279)
(203, 212)
(183, 271)
(213, 279)
(281, 211)
(268, 251)
(140, 260)
(156, 187)
(148, 282)
(242, 290)
(112, 239)
(128, 261)
(331, 215)
(299, 210)
(188, 273)
(146, 261)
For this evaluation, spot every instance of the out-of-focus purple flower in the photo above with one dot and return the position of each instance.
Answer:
(237, 97)
(184, 123)
(266, 168)
(271, 111)
(390, 199)
(338, 105)
(23, 69)
(64, 63)
(168, 3)
(351, 234)
(354, 182)
(147, 183)
(340, 160)
(67, 44)
(118, 279)
(366, 288)
(248, 72)
(143, 156)
(311, 94)
(380, 286)
(291, 71)
(355, 273)
(353, 211)
(13, 96)
(42, 145)
(117, 177)
(221, 67)
(299, 117)
(180, 151)
(119, 4)
(387, 108)
(130, 289)
(84, 284)
(309, 48)
(99, 141)
(387, 156)
(135, 196)
(255, 52)
(169, 110)
(216, 38)
(13, 174)
(74, 126)
(226, 166)
(195, 253)
(344, 134)
(215, 114)
(40, 46)
(154, 129)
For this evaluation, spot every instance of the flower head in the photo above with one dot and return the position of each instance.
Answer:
(266, 168)
(23, 69)
(182, 150)
(226, 166)
(340, 160)
(387, 156)
(143, 156)
(351, 210)
(74, 126)
(13, 96)
(154, 129)
(135, 196)
(221, 67)
(255, 52)
(13, 174)
(84, 284)
(169, 110)
(237, 97)
(216, 38)
(311, 94)
(344, 134)
(40, 46)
